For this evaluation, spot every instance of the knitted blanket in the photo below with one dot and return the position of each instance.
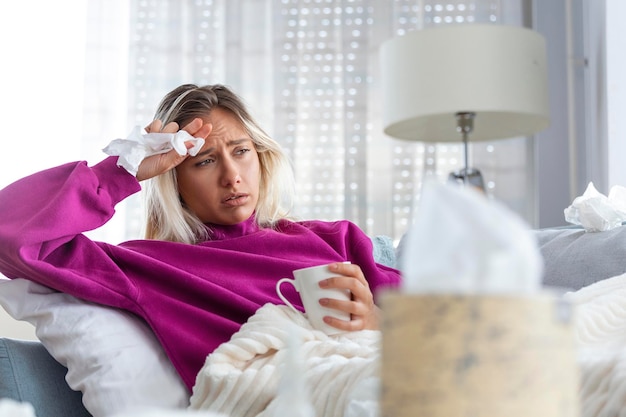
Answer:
(600, 331)
(241, 378)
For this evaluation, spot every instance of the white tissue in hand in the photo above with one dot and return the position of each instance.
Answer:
(596, 212)
(461, 242)
(138, 145)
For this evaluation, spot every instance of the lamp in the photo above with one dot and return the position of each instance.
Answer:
(486, 81)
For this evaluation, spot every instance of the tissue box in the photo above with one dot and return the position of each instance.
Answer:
(478, 355)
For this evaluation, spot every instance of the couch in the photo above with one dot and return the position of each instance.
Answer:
(29, 374)
(573, 259)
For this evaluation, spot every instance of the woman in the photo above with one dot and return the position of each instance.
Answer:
(217, 235)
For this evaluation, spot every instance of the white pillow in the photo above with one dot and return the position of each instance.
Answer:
(112, 356)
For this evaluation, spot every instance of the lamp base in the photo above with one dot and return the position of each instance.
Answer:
(467, 176)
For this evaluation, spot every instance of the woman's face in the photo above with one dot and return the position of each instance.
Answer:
(221, 183)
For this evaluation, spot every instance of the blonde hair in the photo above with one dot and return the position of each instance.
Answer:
(166, 217)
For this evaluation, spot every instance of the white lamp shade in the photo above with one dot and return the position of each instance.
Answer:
(498, 72)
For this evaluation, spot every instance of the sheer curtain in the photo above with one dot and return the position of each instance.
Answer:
(309, 71)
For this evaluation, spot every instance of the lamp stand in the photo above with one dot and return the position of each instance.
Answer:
(466, 176)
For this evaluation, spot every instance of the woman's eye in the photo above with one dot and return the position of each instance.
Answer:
(242, 151)
(204, 162)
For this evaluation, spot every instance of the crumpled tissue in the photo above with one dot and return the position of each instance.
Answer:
(461, 242)
(139, 145)
(596, 212)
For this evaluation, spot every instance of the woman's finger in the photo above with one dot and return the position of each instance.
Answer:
(193, 126)
(349, 270)
(198, 128)
(349, 326)
(171, 127)
(154, 126)
(360, 290)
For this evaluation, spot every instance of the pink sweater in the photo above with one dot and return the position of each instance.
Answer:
(193, 296)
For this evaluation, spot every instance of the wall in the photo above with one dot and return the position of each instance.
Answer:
(575, 149)
(552, 146)
(43, 56)
(616, 90)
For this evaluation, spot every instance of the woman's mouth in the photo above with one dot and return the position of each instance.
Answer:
(235, 200)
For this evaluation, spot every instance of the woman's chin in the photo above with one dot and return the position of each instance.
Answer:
(233, 218)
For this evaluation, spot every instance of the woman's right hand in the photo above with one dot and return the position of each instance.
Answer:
(158, 164)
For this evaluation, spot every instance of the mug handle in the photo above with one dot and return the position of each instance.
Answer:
(280, 294)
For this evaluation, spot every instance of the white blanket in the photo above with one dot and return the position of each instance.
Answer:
(241, 377)
(600, 331)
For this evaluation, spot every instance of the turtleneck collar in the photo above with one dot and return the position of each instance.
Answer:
(221, 232)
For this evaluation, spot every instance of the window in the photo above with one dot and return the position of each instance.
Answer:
(309, 71)
(307, 68)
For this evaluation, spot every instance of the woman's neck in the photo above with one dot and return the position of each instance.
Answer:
(221, 231)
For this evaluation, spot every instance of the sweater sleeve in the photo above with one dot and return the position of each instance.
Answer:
(43, 217)
(361, 250)
(349, 241)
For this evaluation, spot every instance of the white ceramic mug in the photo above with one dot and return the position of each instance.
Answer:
(306, 282)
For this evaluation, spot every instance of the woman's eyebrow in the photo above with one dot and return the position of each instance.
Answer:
(236, 142)
(203, 153)
(230, 144)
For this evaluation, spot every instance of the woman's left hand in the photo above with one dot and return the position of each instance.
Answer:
(364, 314)
(158, 164)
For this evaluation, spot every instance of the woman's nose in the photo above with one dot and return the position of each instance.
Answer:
(230, 173)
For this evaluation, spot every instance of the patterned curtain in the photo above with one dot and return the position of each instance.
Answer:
(309, 70)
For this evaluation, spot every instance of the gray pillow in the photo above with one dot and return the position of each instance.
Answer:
(384, 252)
(575, 258)
(29, 374)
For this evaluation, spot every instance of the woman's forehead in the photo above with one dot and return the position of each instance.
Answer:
(221, 114)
